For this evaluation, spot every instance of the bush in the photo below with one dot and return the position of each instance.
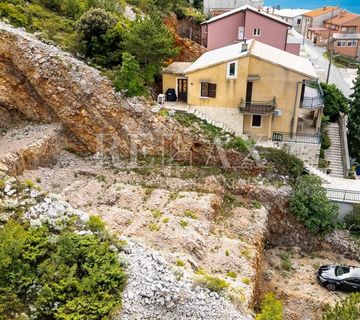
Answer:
(353, 218)
(239, 144)
(271, 308)
(335, 101)
(128, 78)
(100, 37)
(325, 140)
(214, 283)
(284, 163)
(346, 309)
(95, 224)
(76, 273)
(309, 203)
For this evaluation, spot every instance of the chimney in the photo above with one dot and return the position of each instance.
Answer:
(244, 46)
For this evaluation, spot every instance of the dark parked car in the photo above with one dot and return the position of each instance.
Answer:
(335, 277)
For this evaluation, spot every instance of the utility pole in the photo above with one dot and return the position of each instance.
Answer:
(329, 68)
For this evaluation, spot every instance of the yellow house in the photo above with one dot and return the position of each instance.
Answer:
(276, 92)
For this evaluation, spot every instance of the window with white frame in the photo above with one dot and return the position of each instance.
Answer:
(231, 72)
(256, 121)
(257, 32)
(341, 43)
(352, 43)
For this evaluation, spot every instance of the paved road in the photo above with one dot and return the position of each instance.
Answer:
(337, 76)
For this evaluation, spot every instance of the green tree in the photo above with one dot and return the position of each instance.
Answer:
(151, 43)
(353, 218)
(64, 277)
(354, 119)
(100, 37)
(346, 309)
(271, 308)
(335, 101)
(309, 203)
(129, 78)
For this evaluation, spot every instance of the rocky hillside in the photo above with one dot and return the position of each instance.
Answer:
(42, 83)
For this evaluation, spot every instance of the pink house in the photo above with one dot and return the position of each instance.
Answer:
(246, 22)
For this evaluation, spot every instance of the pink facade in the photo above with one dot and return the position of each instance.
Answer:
(293, 48)
(252, 25)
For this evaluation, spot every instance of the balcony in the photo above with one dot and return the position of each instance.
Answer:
(312, 98)
(346, 36)
(258, 107)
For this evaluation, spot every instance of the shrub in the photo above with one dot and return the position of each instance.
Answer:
(286, 263)
(215, 284)
(335, 101)
(346, 309)
(183, 224)
(239, 144)
(271, 308)
(95, 224)
(77, 273)
(190, 214)
(309, 203)
(156, 213)
(246, 281)
(180, 263)
(325, 140)
(129, 78)
(232, 274)
(285, 163)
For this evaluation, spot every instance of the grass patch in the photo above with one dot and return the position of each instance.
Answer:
(156, 213)
(154, 227)
(213, 283)
(180, 263)
(231, 274)
(190, 214)
(246, 281)
(183, 224)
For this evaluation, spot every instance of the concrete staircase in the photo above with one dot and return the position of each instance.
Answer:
(334, 153)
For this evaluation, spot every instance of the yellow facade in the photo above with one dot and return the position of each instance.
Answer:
(273, 81)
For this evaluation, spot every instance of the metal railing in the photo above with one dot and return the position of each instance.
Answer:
(344, 144)
(297, 138)
(351, 36)
(343, 195)
(258, 107)
(313, 102)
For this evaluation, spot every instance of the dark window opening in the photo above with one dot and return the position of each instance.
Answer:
(208, 90)
(256, 120)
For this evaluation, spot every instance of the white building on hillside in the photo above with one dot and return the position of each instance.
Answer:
(216, 7)
(291, 16)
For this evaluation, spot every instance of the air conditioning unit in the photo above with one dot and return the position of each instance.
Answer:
(161, 99)
(277, 113)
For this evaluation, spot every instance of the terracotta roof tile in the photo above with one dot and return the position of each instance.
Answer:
(319, 11)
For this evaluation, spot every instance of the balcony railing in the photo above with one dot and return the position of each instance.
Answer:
(346, 36)
(313, 98)
(297, 138)
(258, 107)
(343, 195)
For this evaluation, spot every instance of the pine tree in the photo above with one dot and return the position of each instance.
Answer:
(129, 78)
(151, 43)
(354, 119)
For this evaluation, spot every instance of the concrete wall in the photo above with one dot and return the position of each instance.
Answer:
(229, 4)
(293, 48)
(307, 152)
(228, 92)
(344, 208)
(225, 31)
(272, 33)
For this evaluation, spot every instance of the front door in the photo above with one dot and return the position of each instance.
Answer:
(182, 90)
(249, 89)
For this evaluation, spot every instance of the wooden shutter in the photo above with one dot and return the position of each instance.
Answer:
(212, 90)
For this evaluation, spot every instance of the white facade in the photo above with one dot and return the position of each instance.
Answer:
(229, 4)
(291, 16)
